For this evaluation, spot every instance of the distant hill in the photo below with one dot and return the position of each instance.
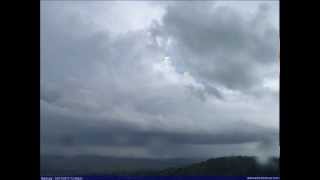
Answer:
(225, 166)
(100, 165)
(52, 165)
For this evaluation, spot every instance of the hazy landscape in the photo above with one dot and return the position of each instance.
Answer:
(98, 165)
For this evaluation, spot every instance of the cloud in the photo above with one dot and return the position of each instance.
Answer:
(218, 45)
(199, 83)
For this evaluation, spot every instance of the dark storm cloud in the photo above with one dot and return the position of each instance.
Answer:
(219, 44)
(115, 91)
(60, 130)
(117, 133)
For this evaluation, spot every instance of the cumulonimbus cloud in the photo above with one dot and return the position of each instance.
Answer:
(188, 79)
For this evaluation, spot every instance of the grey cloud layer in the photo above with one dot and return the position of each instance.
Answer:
(221, 46)
(138, 90)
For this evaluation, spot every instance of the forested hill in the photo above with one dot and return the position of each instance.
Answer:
(97, 165)
(225, 166)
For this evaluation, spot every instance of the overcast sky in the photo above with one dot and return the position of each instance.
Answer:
(160, 79)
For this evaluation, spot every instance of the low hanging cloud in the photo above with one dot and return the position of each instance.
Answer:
(194, 83)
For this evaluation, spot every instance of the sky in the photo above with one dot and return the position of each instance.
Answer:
(160, 79)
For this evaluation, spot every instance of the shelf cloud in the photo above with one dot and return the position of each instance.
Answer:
(159, 79)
